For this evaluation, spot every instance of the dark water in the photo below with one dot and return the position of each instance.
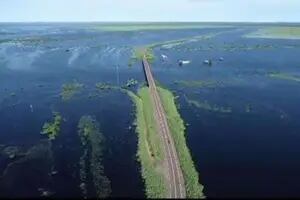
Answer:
(238, 154)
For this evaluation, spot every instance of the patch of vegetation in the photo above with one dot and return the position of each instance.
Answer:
(69, 90)
(285, 76)
(197, 83)
(52, 129)
(282, 32)
(150, 151)
(193, 188)
(153, 26)
(93, 142)
(206, 106)
(173, 43)
(103, 86)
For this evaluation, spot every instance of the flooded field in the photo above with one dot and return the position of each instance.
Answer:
(67, 130)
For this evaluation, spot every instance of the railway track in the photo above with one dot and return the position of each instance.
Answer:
(175, 177)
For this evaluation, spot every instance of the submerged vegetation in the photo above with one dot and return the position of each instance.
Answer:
(93, 145)
(198, 83)
(52, 129)
(103, 86)
(285, 76)
(193, 188)
(283, 32)
(150, 151)
(206, 106)
(17, 173)
(69, 90)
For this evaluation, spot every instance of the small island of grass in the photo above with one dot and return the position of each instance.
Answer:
(69, 90)
(51, 129)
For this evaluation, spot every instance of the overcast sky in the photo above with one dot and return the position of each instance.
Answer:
(150, 10)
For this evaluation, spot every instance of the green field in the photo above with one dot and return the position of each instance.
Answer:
(276, 33)
(154, 26)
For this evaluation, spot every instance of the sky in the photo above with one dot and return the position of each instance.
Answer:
(150, 10)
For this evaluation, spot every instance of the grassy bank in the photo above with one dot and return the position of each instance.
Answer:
(149, 146)
(191, 177)
(285, 76)
(276, 33)
(155, 26)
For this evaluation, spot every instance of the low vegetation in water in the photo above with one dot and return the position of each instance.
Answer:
(198, 84)
(206, 106)
(52, 129)
(69, 90)
(93, 143)
(149, 151)
(282, 32)
(285, 76)
(193, 188)
(103, 86)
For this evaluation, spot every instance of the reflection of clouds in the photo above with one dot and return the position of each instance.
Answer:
(16, 59)
(76, 52)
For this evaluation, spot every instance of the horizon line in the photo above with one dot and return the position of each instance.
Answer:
(296, 22)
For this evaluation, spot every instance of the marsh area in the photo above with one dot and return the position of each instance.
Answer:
(241, 113)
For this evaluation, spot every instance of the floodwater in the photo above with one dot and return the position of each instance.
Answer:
(250, 152)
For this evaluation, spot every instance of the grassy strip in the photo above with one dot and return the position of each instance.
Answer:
(198, 83)
(69, 90)
(154, 26)
(191, 177)
(139, 52)
(276, 33)
(284, 76)
(93, 141)
(52, 129)
(149, 146)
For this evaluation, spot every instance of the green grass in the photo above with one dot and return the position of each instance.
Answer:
(153, 26)
(52, 129)
(69, 90)
(284, 32)
(149, 145)
(285, 76)
(138, 55)
(193, 188)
